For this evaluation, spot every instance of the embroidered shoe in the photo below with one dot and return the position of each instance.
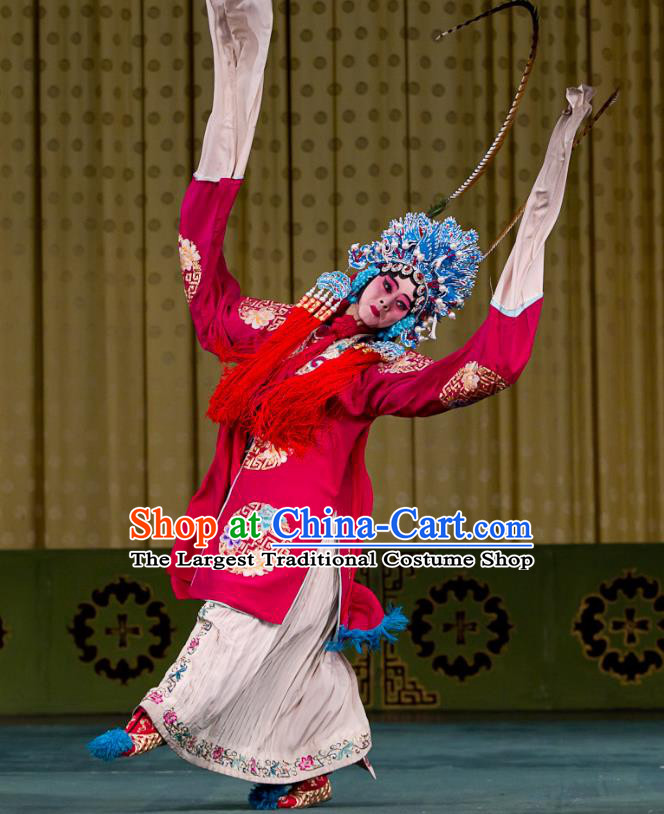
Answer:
(137, 737)
(307, 793)
(144, 736)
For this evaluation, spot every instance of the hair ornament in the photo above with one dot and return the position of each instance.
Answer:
(439, 257)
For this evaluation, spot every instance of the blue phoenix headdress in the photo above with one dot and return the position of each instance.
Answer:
(441, 259)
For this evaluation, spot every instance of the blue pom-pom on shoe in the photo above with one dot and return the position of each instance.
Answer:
(264, 796)
(110, 745)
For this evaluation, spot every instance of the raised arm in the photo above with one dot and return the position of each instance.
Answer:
(498, 351)
(240, 32)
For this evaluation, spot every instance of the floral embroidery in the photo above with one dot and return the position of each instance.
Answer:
(264, 455)
(261, 314)
(331, 352)
(348, 751)
(265, 515)
(178, 669)
(190, 265)
(202, 613)
(226, 537)
(176, 673)
(470, 377)
(408, 363)
(258, 317)
(388, 350)
(471, 383)
(268, 541)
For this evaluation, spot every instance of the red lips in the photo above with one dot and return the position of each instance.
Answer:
(374, 310)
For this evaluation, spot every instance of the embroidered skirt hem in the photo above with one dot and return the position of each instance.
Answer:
(260, 701)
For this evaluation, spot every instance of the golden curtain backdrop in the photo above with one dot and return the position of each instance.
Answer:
(363, 117)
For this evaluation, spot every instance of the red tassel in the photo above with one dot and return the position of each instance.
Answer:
(291, 411)
(263, 397)
(239, 386)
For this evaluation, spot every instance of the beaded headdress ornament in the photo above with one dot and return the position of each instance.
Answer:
(440, 258)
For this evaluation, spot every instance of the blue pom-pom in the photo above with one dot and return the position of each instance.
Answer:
(393, 620)
(110, 745)
(264, 796)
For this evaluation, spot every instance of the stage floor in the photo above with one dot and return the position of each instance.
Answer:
(515, 766)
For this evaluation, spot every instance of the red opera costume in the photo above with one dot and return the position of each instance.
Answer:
(490, 361)
(256, 691)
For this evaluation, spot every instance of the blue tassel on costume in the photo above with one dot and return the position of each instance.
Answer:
(110, 745)
(265, 795)
(393, 620)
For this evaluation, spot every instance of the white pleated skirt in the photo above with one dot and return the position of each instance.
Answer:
(261, 701)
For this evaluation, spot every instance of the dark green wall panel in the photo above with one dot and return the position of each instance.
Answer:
(82, 631)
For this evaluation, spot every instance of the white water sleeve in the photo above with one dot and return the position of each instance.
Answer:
(240, 32)
(521, 281)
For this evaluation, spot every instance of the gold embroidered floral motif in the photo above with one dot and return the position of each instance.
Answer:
(260, 314)
(190, 265)
(266, 542)
(471, 383)
(264, 455)
(407, 363)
